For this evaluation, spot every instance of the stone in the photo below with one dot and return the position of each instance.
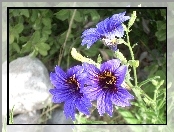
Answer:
(58, 117)
(29, 85)
(27, 118)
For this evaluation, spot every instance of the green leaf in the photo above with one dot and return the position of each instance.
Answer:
(53, 51)
(47, 22)
(34, 53)
(161, 25)
(163, 12)
(19, 28)
(16, 13)
(25, 12)
(44, 12)
(11, 38)
(16, 47)
(43, 46)
(46, 30)
(24, 39)
(37, 25)
(26, 47)
(128, 116)
(161, 35)
(11, 10)
(42, 52)
(36, 37)
(94, 15)
(74, 25)
(44, 38)
(149, 113)
(62, 14)
(34, 15)
(77, 16)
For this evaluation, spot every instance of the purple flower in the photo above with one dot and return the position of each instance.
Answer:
(104, 85)
(106, 30)
(67, 89)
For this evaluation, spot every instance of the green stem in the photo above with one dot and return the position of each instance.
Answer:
(137, 89)
(132, 55)
(148, 80)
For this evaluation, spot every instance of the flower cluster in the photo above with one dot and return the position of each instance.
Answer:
(82, 84)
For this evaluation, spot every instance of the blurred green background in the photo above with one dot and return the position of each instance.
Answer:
(42, 32)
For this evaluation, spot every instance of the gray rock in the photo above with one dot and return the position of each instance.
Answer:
(29, 85)
(58, 117)
(27, 118)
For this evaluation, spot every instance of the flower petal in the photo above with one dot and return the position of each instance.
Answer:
(60, 95)
(81, 77)
(90, 36)
(57, 80)
(88, 32)
(92, 91)
(118, 100)
(117, 19)
(108, 103)
(91, 69)
(120, 73)
(102, 27)
(118, 31)
(89, 41)
(101, 103)
(110, 65)
(69, 108)
(75, 70)
(81, 105)
(60, 73)
(123, 93)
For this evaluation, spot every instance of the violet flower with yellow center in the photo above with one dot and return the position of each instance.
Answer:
(67, 89)
(104, 85)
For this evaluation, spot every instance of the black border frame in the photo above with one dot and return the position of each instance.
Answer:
(8, 8)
